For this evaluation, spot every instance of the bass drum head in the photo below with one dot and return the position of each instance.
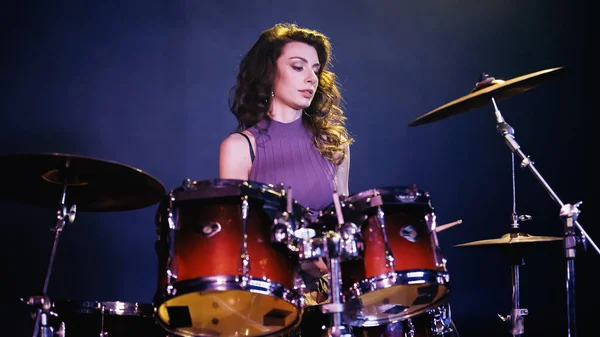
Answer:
(227, 313)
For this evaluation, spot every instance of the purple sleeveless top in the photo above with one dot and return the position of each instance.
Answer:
(286, 154)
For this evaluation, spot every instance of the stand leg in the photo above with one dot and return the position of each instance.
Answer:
(569, 214)
(571, 298)
(335, 307)
(41, 313)
(517, 314)
(43, 303)
(517, 326)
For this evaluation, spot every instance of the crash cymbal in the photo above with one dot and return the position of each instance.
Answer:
(488, 88)
(93, 185)
(511, 239)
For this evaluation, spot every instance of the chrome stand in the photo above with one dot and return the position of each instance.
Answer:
(338, 244)
(42, 303)
(516, 257)
(335, 307)
(568, 213)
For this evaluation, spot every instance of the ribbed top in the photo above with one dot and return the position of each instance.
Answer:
(285, 154)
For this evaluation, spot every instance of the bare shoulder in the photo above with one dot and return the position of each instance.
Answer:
(234, 157)
(236, 142)
(232, 141)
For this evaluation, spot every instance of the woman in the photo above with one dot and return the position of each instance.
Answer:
(291, 127)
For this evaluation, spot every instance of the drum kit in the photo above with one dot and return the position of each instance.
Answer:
(228, 251)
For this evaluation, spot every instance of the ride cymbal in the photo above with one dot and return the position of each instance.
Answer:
(511, 239)
(488, 88)
(93, 185)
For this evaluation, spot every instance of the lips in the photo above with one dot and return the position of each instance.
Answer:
(306, 93)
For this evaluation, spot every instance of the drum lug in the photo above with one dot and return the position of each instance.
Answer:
(389, 256)
(171, 262)
(440, 261)
(186, 184)
(244, 267)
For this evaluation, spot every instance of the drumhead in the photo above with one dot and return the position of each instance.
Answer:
(272, 199)
(357, 207)
(227, 313)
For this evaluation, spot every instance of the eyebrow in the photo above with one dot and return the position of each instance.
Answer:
(305, 60)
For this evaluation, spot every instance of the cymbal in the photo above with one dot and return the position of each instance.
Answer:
(485, 90)
(93, 185)
(511, 239)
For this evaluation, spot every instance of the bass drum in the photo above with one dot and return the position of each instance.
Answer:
(432, 323)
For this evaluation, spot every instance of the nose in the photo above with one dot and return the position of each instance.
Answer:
(311, 77)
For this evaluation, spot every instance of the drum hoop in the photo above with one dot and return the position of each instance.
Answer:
(382, 196)
(407, 277)
(222, 188)
(116, 308)
(224, 283)
(273, 199)
(402, 194)
(211, 188)
(388, 280)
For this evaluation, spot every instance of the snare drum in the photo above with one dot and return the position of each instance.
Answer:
(112, 319)
(401, 271)
(223, 268)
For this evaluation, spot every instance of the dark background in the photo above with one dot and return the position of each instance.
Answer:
(145, 83)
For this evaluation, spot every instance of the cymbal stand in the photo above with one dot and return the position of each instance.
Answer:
(517, 313)
(42, 303)
(335, 307)
(568, 214)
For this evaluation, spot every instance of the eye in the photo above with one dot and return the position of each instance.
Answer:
(297, 68)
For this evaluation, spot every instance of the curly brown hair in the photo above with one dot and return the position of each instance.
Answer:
(251, 96)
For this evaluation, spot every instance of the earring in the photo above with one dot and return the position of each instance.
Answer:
(272, 94)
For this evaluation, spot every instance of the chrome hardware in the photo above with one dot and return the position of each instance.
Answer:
(186, 184)
(210, 229)
(283, 228)
(441, 322)
(171, 261)
(409, 233)
(352, 244)
(411, 328)
(389, 256)
(440, 261)
(280, 232)
(525, 217)
(244, 256)
(62, 330)
(311, 249)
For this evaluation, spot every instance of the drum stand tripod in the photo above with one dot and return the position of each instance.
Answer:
(568, 214)
(335, 307)
(516, 257)
(42, 303)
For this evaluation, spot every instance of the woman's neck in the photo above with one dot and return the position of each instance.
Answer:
(285, 115)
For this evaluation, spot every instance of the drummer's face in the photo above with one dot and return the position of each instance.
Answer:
(297, 76)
